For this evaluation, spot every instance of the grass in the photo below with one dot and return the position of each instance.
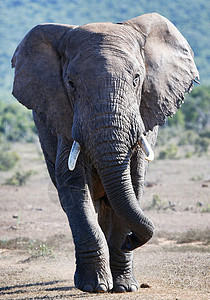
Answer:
(35, 248)
(42, 250)
(197, 177)
(38, 248)
(186, 248)
(158, 204)
(206, 209)
(187, 237)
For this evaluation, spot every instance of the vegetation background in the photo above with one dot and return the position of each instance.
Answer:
(17, 17)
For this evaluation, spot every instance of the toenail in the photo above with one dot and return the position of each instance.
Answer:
(120, 289)
(102, 288)
(133, 288)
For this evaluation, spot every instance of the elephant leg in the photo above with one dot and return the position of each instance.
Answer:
(92, 255)
(121, 262)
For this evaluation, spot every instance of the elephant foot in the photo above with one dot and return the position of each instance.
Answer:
(122, 271)
(94, 276)
(125, 283)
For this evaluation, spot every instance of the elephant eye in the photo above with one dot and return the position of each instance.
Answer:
(136, 80)
(71, 85)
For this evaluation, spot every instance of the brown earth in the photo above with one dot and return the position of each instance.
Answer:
(37, 254)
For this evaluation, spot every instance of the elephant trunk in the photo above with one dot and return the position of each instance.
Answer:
(119, 190)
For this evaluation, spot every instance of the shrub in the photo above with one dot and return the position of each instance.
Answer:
(205, 134)
(195, 235)
(16, 123)
(188, 154)
(202, 144)
(206, 208)
(169, 153)
(8, 160)
(187, 138)
(19, 178)
(197, 178)
(178, 120)
(156, 201)
(196, 111)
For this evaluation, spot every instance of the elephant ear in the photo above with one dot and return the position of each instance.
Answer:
(38, 83)
(169, 64)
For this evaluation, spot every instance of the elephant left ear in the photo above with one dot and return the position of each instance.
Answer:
(169, 64)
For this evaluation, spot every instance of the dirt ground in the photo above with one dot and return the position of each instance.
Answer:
(37, 254)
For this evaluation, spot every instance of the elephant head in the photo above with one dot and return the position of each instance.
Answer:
(104, 85)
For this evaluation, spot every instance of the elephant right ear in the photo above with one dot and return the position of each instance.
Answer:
(38, 76)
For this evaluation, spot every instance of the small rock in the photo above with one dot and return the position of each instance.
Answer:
(13, 227)
(15, 216)
(150, 184)
(144, 286)
(204, 185)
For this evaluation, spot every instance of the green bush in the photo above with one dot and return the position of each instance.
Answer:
(16, 123)
(19, 178)
(197, 110)
(8, 160)
(205, 134)
(169, 153)
(177, 120)
(202, 144)
(194, 115)
(187, 138)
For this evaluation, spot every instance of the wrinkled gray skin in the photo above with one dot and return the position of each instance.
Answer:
(103, 85)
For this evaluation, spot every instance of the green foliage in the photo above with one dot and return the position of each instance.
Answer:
(178, 120)
(158, 204)
(16, 123)
(19, 178)
(197, 109)
(197, 178)
(195, 113)
(206, 209)
(188, 137)
(202, 144)
(19, 16)
(8, 159)
(205, 134)
(170, 152)
(40, 251)
(190, 125)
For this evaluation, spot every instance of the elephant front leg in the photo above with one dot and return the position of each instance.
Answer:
(121, 262)
(92, 255)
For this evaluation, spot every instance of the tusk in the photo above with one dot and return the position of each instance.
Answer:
(146, 148)
(74, 153)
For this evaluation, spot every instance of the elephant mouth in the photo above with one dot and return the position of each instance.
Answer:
(75, 150)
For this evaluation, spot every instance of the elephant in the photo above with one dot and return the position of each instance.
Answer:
(98, 93)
